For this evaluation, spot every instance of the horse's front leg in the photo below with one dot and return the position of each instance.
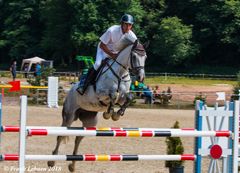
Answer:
(110, 110)
(128, 101)
(121, 111)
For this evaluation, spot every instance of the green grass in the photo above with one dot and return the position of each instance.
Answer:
(186, 81)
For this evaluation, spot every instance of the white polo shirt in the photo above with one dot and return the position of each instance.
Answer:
(115, 40)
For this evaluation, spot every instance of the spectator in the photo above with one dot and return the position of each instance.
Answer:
(147, 95)
(166, 96)
(156, 92)
(13, 69)
(25, 70)
(137, 87)
(38, 69)
(169, 94)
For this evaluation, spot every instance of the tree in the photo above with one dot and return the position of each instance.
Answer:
(56, 40)
(172, 42)
(20, 28)
(216, 26)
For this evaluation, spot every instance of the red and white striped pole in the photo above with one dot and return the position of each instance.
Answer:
(116, 132)
(103, 157)
(124, 133)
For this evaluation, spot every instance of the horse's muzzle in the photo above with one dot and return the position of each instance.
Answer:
(141, 74)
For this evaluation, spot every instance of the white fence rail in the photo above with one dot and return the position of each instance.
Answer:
(148, 74)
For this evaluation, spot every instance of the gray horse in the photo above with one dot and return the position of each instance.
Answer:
(112, 87)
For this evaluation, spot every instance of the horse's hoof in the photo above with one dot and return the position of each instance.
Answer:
(106, 115)
(71, 167)
(115, 116)
(51, 163)
(120, 112)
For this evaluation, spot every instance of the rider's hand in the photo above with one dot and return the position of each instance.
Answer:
(114, 56)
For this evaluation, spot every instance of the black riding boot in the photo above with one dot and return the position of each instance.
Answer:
(88, 79)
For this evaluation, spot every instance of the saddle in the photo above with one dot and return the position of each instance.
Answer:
(91, 77)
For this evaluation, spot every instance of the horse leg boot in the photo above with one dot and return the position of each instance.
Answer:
(129, 98)
(89, 78)
(78, 139)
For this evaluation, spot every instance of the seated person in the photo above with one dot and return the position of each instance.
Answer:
(147, 95)
(156, 92)
(137, 87)
(166, 96)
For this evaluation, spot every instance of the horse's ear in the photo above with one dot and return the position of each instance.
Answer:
(146, 44)
(135, 43)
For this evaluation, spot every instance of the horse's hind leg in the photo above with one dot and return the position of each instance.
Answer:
(89, 119)
(55, 151)
(78, 139)
(65, 123)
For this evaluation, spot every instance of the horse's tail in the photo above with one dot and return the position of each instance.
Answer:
(63, 113)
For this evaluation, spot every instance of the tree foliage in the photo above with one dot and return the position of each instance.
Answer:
(180, 33)
(20, 28)
(172, 41)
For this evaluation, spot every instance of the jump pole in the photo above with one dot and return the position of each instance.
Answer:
(102, 157)
(16, 128)
(116, 132)
(123, 133)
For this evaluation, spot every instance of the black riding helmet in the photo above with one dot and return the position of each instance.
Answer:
(127, 18)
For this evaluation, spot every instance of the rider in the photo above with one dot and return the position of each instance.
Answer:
(109, 46)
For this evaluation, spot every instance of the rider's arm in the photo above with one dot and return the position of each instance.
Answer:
(107, 51)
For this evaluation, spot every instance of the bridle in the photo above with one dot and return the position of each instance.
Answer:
(139, 49)
(121, 78)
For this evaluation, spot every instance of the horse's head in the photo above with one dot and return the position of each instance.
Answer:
(137, 60)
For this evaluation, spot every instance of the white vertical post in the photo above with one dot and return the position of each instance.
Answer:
(236, 137)
(52, 98)
(225, 164)
(22, 135)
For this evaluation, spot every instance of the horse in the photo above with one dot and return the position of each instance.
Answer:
(112, 87)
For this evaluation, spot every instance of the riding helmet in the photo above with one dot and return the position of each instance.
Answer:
(127, 18)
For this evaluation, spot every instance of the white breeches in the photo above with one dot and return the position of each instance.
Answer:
(101, 55)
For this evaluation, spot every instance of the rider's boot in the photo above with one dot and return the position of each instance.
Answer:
(86, 81)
